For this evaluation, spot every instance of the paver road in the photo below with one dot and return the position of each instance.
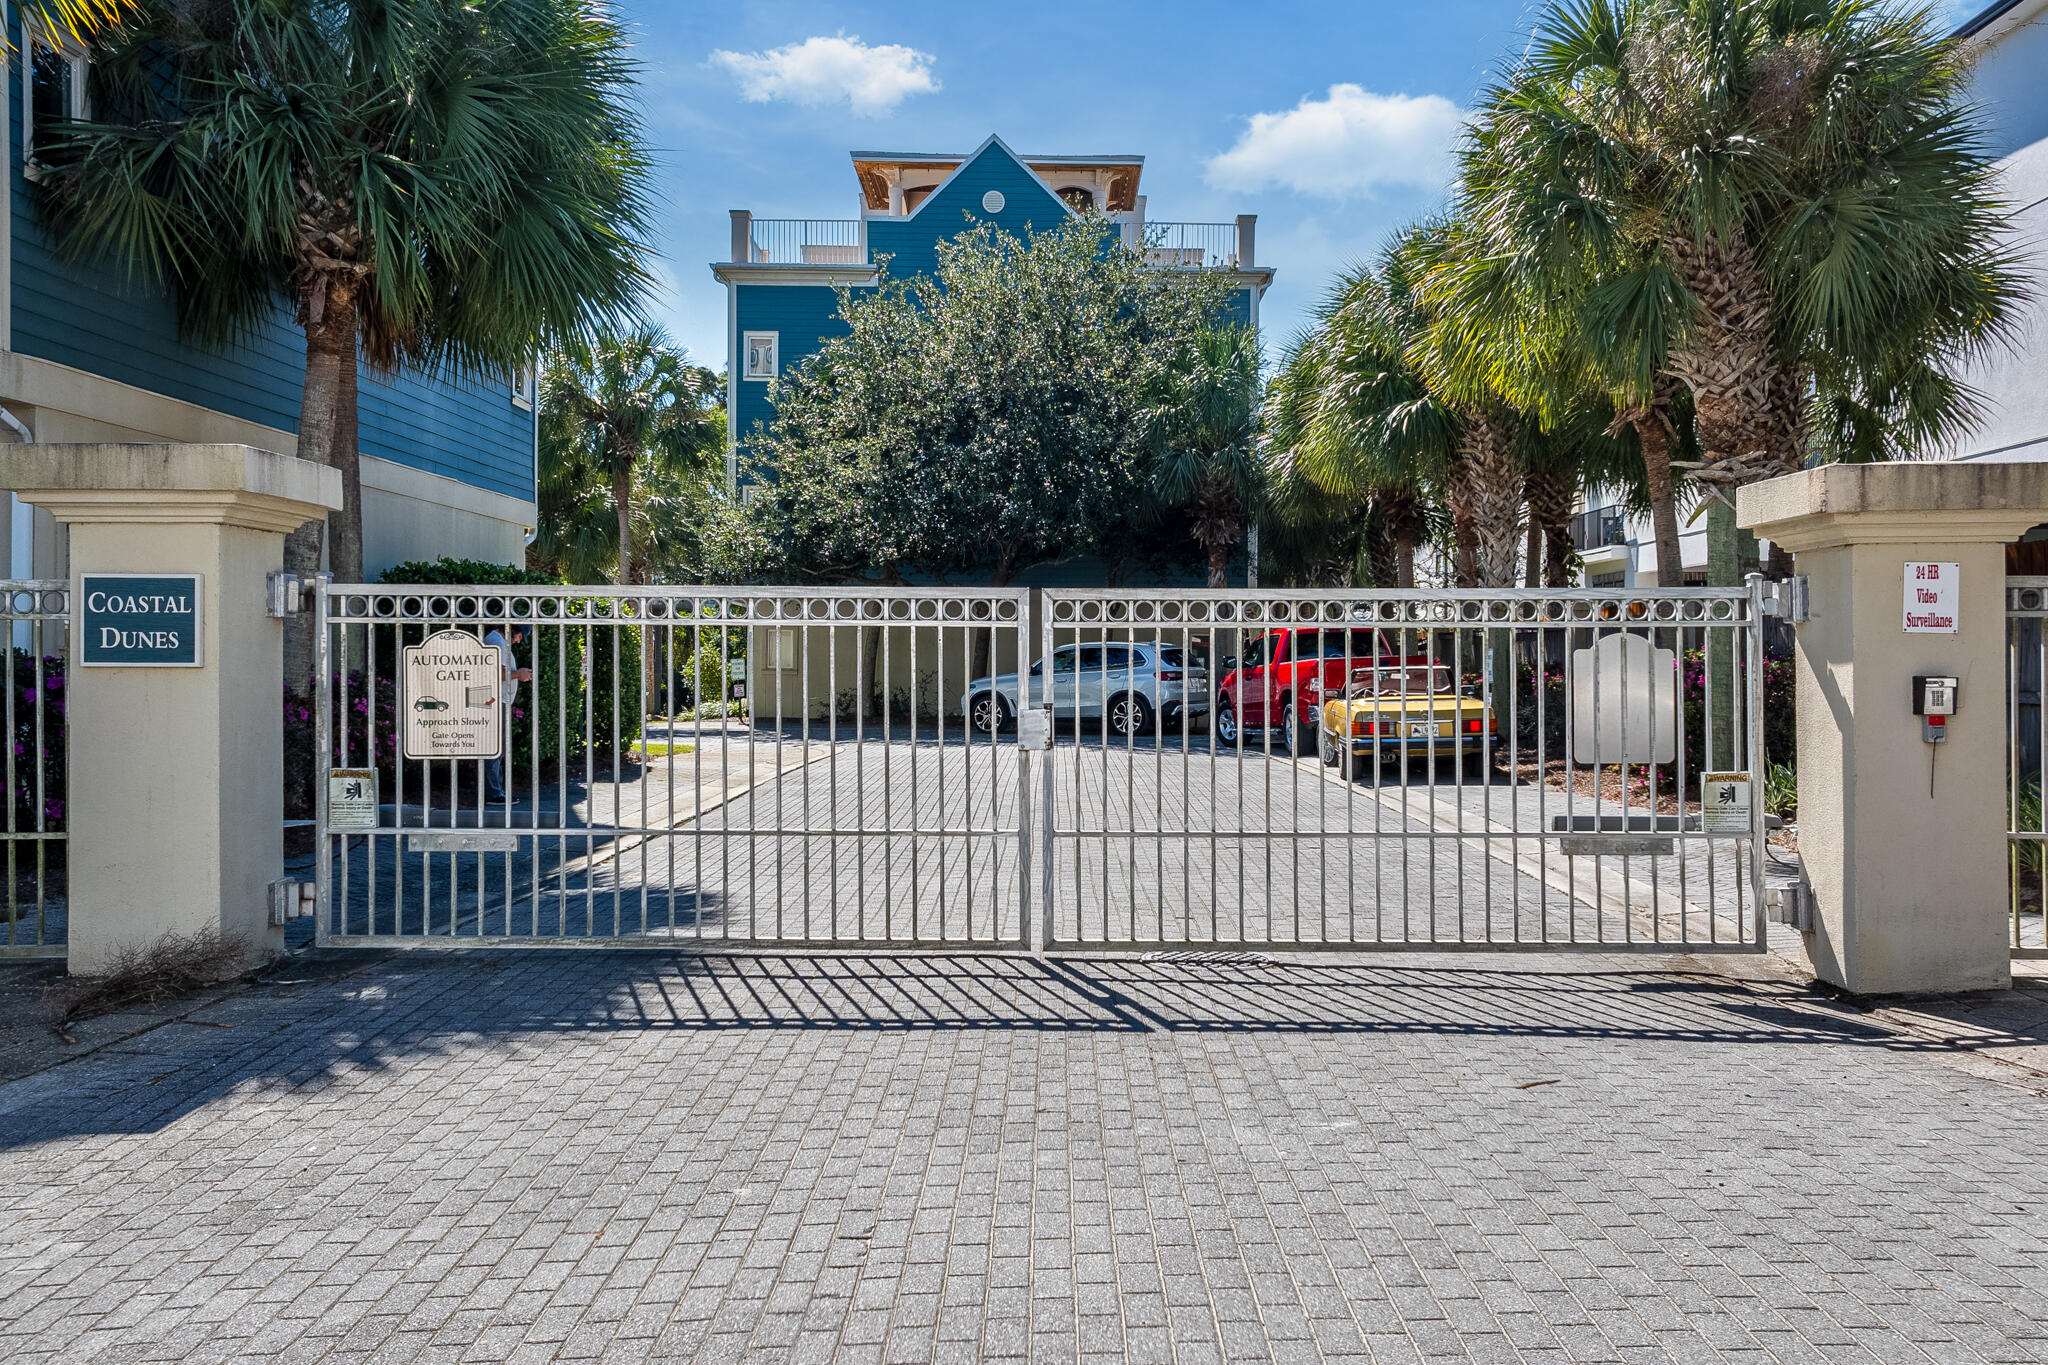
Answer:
(637, 1156)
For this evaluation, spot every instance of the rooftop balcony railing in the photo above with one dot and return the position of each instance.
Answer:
(805, 241)
(840, 241)
(1186, 246)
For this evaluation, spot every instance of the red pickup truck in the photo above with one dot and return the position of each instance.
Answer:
(1268, 688)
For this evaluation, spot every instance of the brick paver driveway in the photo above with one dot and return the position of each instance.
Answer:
(568, 1155)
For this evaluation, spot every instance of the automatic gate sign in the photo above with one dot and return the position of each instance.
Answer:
(451, 697)
(1624, 702)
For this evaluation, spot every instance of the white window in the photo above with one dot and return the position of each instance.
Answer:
(761, 348)
(523, 385)
(53, 91)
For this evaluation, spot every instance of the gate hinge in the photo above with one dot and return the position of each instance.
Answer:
(288, 594)
(290, 900)
(1789, 599)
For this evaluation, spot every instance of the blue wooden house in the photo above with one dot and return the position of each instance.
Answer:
(781, 300)
(447, 459)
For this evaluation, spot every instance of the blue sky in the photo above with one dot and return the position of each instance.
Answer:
(1328, 121)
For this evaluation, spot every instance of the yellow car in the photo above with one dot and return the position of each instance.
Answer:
(1404, 711)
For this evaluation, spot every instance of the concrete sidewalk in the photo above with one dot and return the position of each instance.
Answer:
(555, 1155)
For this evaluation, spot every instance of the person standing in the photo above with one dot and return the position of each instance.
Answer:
(510, 675)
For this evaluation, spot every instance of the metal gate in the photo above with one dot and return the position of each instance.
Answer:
(1129, 770)
(37, 615)
(843, 801)
(1405, 770)
(2026, 607)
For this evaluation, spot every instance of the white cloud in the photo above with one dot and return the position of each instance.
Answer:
(1344, 145)
(873, 80)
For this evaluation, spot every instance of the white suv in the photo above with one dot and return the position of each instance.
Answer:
(1129, 686)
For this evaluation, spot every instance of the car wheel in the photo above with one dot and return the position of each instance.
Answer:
(1475, 766)
(1290, 727)
(1226, 725)
(1129, 714)
(989, 713)
(1326, 746)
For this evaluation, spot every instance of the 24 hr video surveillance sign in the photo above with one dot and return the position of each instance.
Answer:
(451, 698)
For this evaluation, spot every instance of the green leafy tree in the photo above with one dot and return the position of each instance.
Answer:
(632, 441)
(414, 181)
(998, 415)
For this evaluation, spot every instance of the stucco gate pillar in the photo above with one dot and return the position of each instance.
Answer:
(176, 781)
(1910, 886)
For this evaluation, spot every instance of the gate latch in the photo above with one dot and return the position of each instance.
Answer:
(1034, 728)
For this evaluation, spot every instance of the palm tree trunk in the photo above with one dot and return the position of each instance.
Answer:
(1496, 480)
(1551, 497)
(1726, 362)
(1382, 558)
(1404, 524)
(1653, 431)
(1464, 520)
(330, 341)
(1532, 556)
(1219, 563)
(622, 503)
(345, 528)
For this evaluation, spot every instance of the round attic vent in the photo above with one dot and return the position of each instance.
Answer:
(992, 202)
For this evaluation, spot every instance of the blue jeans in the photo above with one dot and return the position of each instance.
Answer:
(494, 779)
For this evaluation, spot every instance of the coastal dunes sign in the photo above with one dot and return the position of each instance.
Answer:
(132, 620)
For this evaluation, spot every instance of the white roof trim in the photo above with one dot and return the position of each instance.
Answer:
(974, 156)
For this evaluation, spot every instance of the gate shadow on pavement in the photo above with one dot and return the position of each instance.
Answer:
(341, 1018)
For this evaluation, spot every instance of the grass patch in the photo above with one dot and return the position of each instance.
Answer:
(659, 748)
(150, 974)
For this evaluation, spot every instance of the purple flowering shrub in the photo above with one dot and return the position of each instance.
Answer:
(33, 797)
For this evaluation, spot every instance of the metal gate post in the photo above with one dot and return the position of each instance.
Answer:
(323, 755)
(1046, 868)
(1024, 804)
(1759, 762)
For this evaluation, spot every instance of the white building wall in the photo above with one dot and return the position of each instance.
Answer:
(2008, 85)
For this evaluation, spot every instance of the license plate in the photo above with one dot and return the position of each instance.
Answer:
(1424, 729)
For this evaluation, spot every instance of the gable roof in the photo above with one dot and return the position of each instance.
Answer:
(868, 167)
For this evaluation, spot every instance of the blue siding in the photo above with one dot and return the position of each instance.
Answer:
(455, 425)
(912, 243)
(803, 316)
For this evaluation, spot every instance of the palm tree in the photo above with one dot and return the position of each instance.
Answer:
(1208, 460)
(1359, 420)
(1762, 201)
(420, 181)
(629, 426)
(78, 19)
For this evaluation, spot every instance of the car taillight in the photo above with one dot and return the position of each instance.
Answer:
(1169, 675)
(1471, 727)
